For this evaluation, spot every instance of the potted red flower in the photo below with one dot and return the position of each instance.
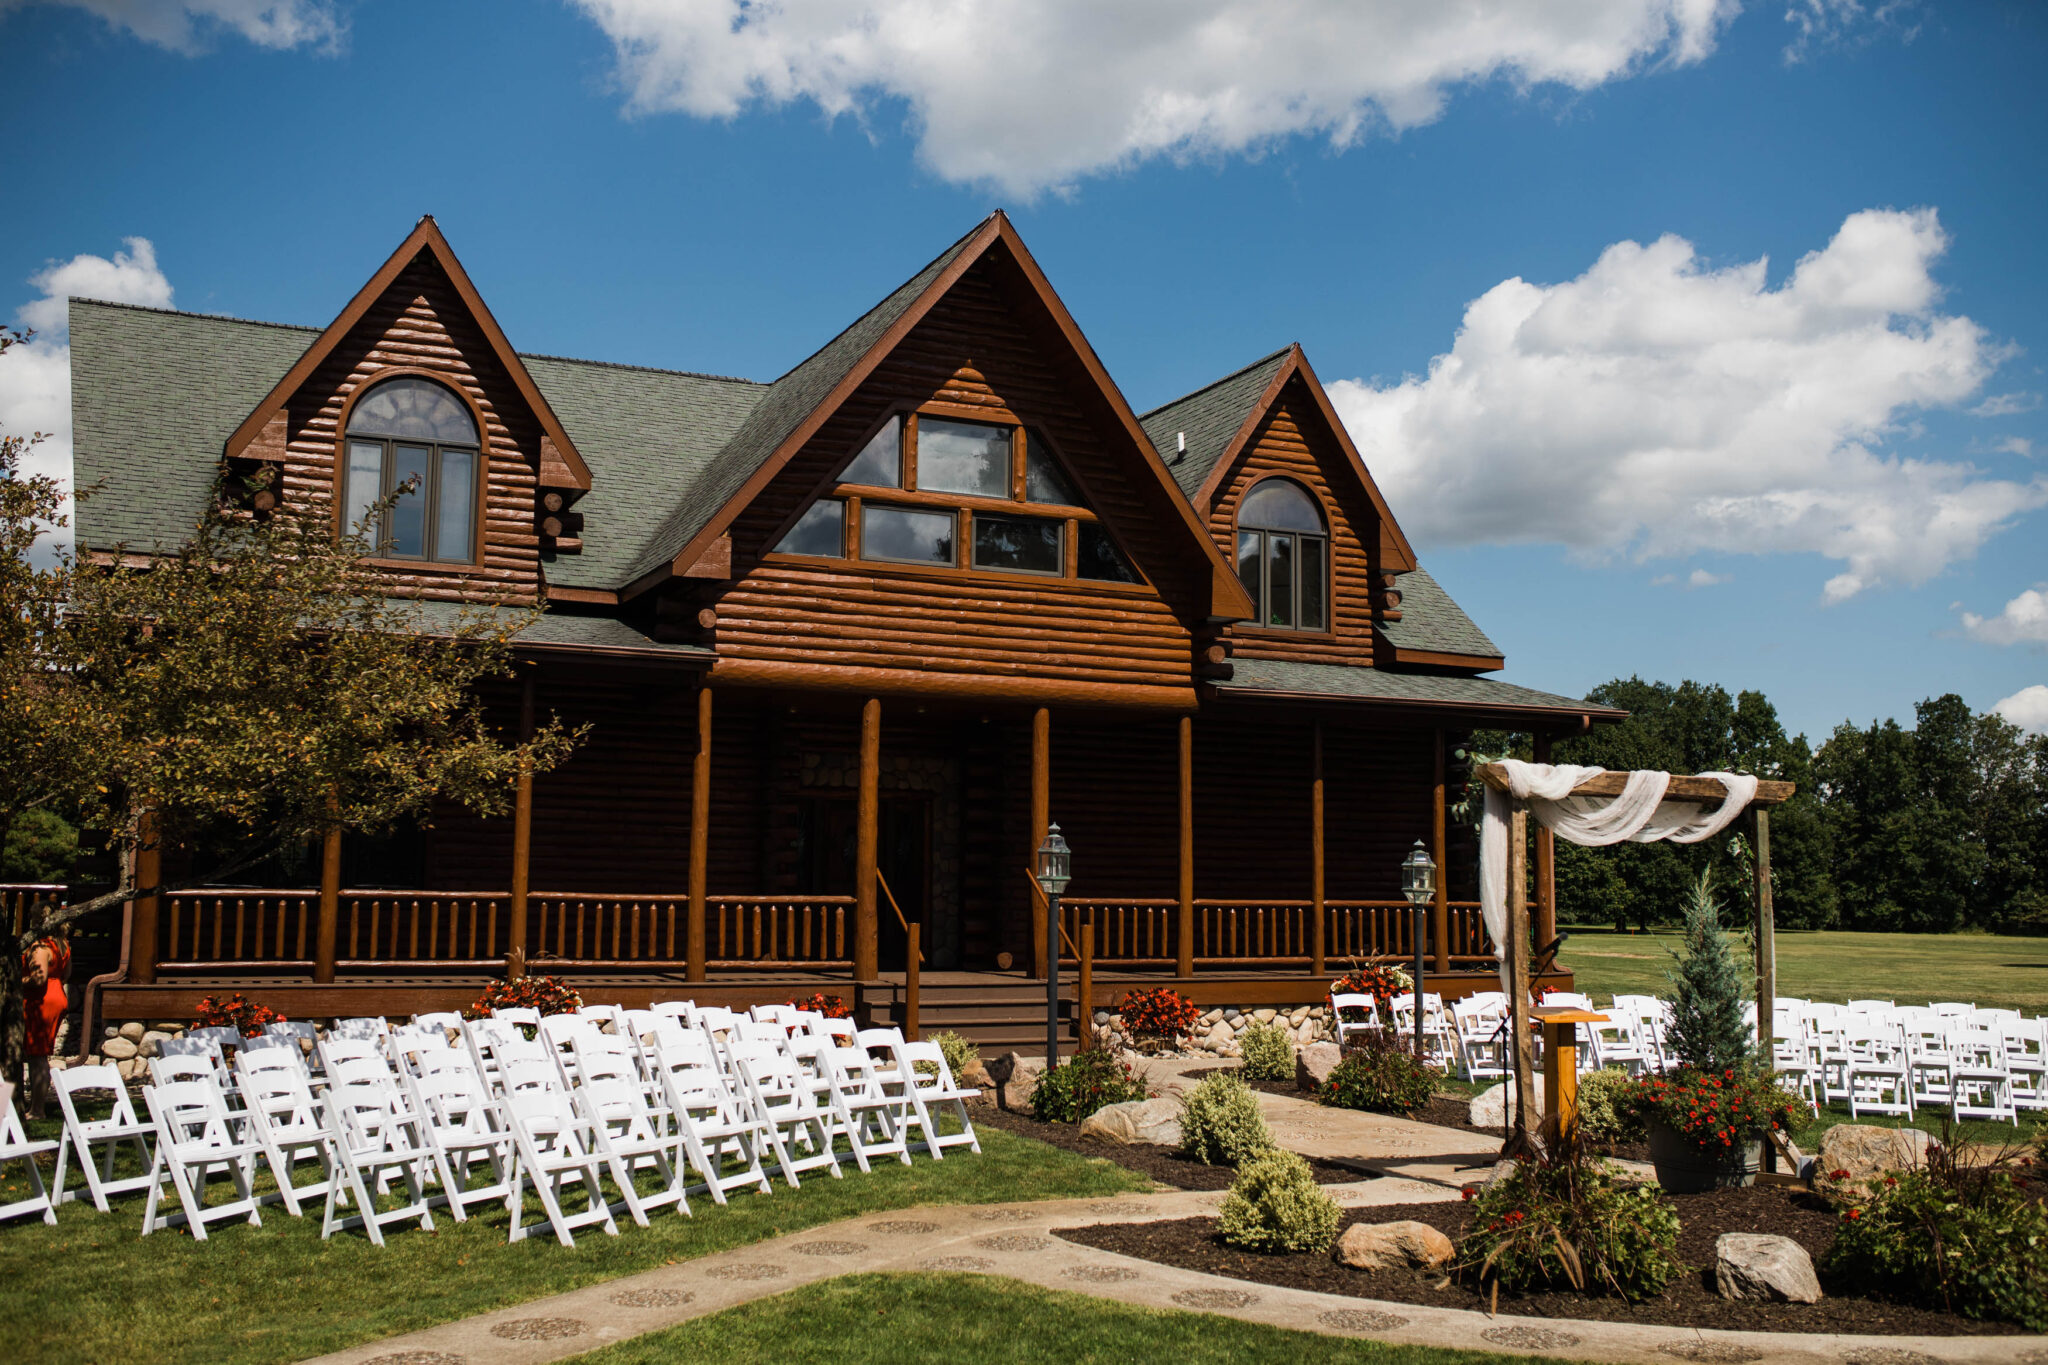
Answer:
(1158, 1016)
(1707, 1128)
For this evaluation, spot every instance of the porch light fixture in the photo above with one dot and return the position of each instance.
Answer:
(1418, 884)
(1055, 870)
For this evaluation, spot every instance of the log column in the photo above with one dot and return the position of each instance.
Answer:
(1546, 866)
(1766, 936)
(142, 916)
(1518, 971)
(866, 950)
(324, 928)
(522, 841)
(700, 839)
(1041, 817)
(1317, 907)
(1184, 946)
(1440, 850)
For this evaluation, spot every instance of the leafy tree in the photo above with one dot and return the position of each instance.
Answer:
(41, 847)
(1708, 1029)
(238, 697)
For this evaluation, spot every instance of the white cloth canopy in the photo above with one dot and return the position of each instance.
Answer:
(1640, 814)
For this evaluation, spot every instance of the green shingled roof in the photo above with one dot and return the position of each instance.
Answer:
(554, 630)
(1209, 417)
(1345, 683)
(1431, 620)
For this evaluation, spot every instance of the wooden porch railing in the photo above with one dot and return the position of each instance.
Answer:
(18, 898)
(1139, 932)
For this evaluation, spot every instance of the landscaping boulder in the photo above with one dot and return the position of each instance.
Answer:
(1314, 1063)
(974, 1076)
(1015, 1077)
(1136, 1121)
(1392, 1246)
(1489, 1108)
(1757, 1265)
(1865, 1153)
(120, 1049)
(132, 1031)
(1220, 1036)
(152, 1042)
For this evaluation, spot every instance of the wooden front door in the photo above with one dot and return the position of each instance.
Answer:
(831, 839)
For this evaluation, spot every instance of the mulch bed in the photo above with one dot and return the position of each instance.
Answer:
(1163, 1164)
(1690, 1301)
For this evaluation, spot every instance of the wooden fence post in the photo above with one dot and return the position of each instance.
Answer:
(1084, 1014)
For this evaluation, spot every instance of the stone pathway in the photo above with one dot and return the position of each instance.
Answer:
(1016, 1240)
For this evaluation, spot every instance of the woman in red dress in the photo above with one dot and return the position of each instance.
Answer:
(45, 968)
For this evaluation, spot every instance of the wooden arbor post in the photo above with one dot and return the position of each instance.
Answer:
(1546, 866)
(522, 841)
(1517, 957)
(1318, 906)
(700, 839)
(866, 949)
(1041, 818)
(1184, 936)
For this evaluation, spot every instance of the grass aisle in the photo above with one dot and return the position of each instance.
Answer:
(91, 1289)
(946, 1319)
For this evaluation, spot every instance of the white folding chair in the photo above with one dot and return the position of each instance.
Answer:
(782, 1101)
(448, 1021)
(1617, 1044)
(367, 1028)
(558, 1033)
(285, 1123)
(200, 1043)
(15, 1146)
(1870, 1006)
(375, 1140)
(81, 1135)
(785, 1017)
(1876, 1071)
(682, 1011)
(928, 1084)
(517, 1014)
(1929, 1067)
(626, 1133)
(2026, 1061)
(1981, 1085)
(1481, 1035)
(873, 1119)
(553, 1148)
(602, 1014)
(195, 1139)
(463, 1127)
(1571, 1000)
(1347, 1028)
(706, 1114)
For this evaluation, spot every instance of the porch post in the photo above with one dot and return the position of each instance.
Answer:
(1316, 910)
(1546, 865)
(1184, 946)
(142, 948)
(1519, 986)
(1041, 816)
(1439, 846)
(700, 838)
(522, 841)
(330, 908)
(866, 952)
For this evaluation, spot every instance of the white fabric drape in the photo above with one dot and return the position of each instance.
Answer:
(1640, 814)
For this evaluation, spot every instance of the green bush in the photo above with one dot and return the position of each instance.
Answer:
(1708, 1029)
(1220, 1122)
(1384, 1078)
(1604, 1117)
(1568, 1222)
(1085, 1083)
(1275, 1205)
(960, 1054)
(1268, 1052)
(1972, 1241)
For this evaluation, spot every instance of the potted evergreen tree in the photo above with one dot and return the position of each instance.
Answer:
(1707, 1119)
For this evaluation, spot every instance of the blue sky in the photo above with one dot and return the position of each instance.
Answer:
(1827, 482)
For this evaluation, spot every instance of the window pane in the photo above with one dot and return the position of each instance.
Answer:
(1280, 575)
(821, 530)
(407, 524)
(1249, 554)
(880, 462)
(365, 486)
(1280, 505)
(418, 409)
(1312, 583)
(1043, 479)
(898, 533)
(963, 457)
(1025, 544)
(1100, 558)
(455, 506)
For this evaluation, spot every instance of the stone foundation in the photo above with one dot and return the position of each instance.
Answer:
(127, 1047)
(1215, 1033)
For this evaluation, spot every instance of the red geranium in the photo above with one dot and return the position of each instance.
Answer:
(831, 1006)
(1159, 1013)
(236, 1012)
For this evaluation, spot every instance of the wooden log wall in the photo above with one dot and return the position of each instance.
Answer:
(1295, 441)
(975, 351)
(421, 323)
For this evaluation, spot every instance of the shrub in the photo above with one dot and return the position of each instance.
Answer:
(1268, 1052)
(1605, 1117)
(244, 1016)
(831, 1006)
(1715, 1111)
(1971, 1240)
(1078, 1087)
(959, 1053)
(1568, 1222)
(1380, 1076)
(1162, 1013)
(1275, 1205)
(1220, 1122)
(1708, 1030)
(543, 993)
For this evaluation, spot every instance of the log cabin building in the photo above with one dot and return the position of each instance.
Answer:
(847, 642)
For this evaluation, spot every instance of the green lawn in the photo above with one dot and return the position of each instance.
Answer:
(92, 1289)
(1992, 970)
(945, 1319)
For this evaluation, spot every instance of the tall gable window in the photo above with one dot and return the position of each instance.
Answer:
(1283, 555)
(953, 493)
(415, 438)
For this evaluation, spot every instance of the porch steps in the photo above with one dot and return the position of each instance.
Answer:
(996, 1019)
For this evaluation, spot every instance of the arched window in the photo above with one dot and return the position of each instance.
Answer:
(417, 435)
(1283, 556)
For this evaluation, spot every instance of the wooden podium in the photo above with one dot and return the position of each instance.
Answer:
(1560, 1026)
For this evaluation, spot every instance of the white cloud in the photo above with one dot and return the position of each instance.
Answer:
(2024, 620)
(1828, 23)
(187, 25)
(1659, 407)
(1027, 94)
(1700, 578)
(2006, 404)
(35, 378)
(2026, 708)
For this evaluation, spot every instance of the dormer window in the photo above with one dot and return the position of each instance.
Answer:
(413, 435)
(949, 492)
(1283, 556)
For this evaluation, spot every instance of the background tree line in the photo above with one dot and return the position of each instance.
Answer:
(1925, 829)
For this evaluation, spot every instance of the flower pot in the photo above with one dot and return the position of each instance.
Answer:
(1683, 1168)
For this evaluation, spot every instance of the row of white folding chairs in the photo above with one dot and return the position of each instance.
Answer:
(1888, 1059)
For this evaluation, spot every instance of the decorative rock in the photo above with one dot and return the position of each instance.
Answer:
(1389, 1246)
(1218, 1036)
(132, 1069)
(1102, 1017)
(132, 1031)
(1265, 1016)
(1489, 1108)
(1299, 1014)
(1314, 1063)
(1229, 1013)
(120, 1049)
(1015, 1077)
(1757, 1265)
(152, 1042)
(1866, 1153)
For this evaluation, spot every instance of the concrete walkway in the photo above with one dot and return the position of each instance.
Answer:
(1018, 1241)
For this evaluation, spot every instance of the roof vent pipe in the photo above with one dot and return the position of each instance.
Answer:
(1180, 446)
